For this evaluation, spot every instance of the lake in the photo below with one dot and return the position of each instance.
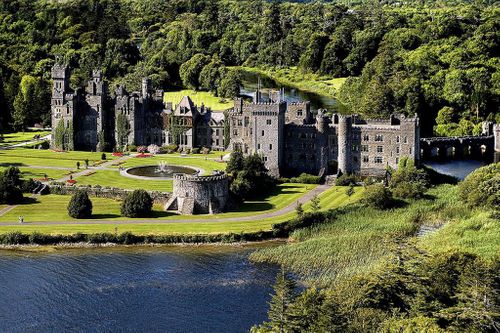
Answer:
(163, 289)
(249, 86)
(457, 168)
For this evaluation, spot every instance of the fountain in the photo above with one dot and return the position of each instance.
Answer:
(160, 171)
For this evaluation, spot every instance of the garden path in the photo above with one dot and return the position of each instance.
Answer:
(22, 144)
(291, 207)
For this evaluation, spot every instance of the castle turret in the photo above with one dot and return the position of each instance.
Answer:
(344, 137)
(146, 87)
(496, 135)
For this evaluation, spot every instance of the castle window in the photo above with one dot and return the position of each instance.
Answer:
(410, 150)
(268, 121)
(262, 133)
(355, 159)
(217, 132)
(264, 158)
(380, 149)
(397, 150)
(364, 148)
(378, 160)
(313, 157)
(366, 137)
(302, 135)
(235, 132)
(247, 121)
(405, 140)
(240, 122)
(397, 139)
(299, 113)
(355, 148)
(258, 146)
(365, 159)
(216, 142)
(251, 131)
(397, 160)
(379, 137)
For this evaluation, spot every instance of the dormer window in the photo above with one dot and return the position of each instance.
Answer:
(299, 113)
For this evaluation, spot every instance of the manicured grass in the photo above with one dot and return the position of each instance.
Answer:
(10, 139)
(115, 179)
(106, 209)
(199, 97)
(292, 76)
(35, 173)
(26, 157)
(204, 162)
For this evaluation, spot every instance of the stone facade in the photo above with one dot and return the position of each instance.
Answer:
(95, 121)
(199, 194)
(291, 141)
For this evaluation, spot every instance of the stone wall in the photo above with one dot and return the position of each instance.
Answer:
(199, 194)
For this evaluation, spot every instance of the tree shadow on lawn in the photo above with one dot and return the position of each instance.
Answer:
(15, 164)
(29, 201)
(104, 216)
(253, 207)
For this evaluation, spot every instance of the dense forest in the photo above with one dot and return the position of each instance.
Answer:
(437, 59)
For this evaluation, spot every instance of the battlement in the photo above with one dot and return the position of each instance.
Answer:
(194, 178)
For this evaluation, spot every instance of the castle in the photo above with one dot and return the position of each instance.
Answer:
(288, 136)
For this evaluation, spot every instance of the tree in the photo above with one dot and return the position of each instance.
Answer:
(279, 306)
(59, 135)
(31, 102)
(80, 206)
(315, 203)
(122, 131)
(377, 196)
(137, 204)
(191, 69)
(299, 210)
(235, 163)
(408, 182)
(482, 187)
(230, 84)
(10, 182)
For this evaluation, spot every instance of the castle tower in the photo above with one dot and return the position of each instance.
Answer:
(62, 107)
(496, 135)
(344, 139)
(146, 87)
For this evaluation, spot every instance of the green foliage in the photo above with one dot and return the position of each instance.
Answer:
(122, 131)
(378, 196)
(408, 182)
(230, 83)
(482, 187)
(315, 204)
(137, 204)
(235, 163)
(306, 178)
(190, 70)
(80, 206)
(346, 180)
(59, 135)
(31, 103)
(10, 182)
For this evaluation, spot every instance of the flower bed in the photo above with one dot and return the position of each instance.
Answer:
(117, 154)
(71, 181)
(58, 151)
(142, 155)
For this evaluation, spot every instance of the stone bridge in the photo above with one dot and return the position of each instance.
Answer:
(474, 147)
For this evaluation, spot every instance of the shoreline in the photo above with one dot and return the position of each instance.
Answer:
(35, 248)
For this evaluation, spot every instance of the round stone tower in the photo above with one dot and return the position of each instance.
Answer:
(199, 194)
(344, 137)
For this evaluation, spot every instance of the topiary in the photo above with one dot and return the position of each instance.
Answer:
(80, 206)
(137, 204)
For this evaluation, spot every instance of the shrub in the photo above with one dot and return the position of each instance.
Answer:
(154, 149)
(103, 156)
(407, 181)
(482, 187)
(196, 150)
(169, 149)
(80, 206)
(306, 179)
(345, 180)
(137, 204)
(378, 196)
(28, 186)
(9, 193)
(142, 149)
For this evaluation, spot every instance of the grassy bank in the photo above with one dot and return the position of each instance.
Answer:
(198, 98)
(10, 139)
(292, 76)
(358, 238)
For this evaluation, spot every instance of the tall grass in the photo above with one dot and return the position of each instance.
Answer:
(359, 237)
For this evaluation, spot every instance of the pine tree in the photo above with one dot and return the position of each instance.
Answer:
(279, 306)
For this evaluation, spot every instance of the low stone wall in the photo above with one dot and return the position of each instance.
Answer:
(106, 192)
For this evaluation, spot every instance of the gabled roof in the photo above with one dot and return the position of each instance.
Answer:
(185, 107)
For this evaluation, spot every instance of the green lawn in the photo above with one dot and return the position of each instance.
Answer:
(36, 173)
(292, 76)
(206, 162)
(106, 209)
(26, 157)
(199, 97)
(10, 139)
(114, 179)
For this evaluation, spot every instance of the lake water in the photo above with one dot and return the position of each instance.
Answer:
(458, 168)
(172, 289)
(250, 81)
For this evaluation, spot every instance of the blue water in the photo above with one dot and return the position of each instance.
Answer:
(459, 168)
(205, 289)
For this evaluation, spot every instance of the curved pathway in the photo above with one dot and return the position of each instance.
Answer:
(291, 207)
